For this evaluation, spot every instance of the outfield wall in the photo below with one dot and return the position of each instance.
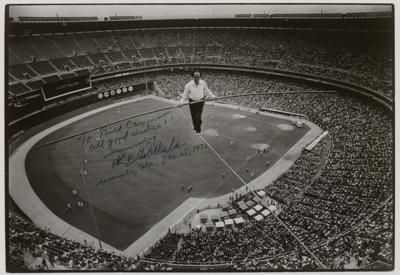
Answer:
(45, 114)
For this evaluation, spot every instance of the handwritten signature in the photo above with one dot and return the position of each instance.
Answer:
(108, 138)
(162, 154)
(152, 147)
(133, 146)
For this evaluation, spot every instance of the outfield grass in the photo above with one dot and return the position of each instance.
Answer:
(136, 168)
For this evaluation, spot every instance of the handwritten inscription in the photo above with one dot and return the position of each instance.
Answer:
(135, 145)
(127, 172)
(153, 147)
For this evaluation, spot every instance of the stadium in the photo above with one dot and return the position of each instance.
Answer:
(293, 169)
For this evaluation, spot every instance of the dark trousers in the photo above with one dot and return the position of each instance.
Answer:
(196, 110)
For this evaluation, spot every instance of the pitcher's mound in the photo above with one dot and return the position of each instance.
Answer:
(251, 129)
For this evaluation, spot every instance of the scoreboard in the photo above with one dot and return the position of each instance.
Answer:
(65, 87)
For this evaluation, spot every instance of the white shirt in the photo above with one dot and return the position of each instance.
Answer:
(196, 92)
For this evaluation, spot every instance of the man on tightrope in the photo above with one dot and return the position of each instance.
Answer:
(196, 90)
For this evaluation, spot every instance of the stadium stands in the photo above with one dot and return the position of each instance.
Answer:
(322, 196)
(42, 67)
(18, 89)
(26, 238)
(115, 57)
(86, 43)
(336, 198)
(51, 78)
(35, 84)
(63, 64)
(345, 57)
(67, 46)
(23, 50)
(81, 61)
(21, 71)
(47, 47)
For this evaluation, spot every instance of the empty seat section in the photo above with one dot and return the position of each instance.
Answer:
(173, 51)
(18, 89)
(123, 41)
(124, 66)
(24, 50)
(81, 61)
(131, 54)
(11, 78)
(146, 53)
(47, 47)
(42, 67)
(159, 52)
(13, 59)
(67, 45)
(188, 51)
(63, 64)
(82, 72)
(115, 56)
(138, 39)
(105, 42)
(86, 43)
(186, 38)
(153, 39)
(99, 59)
(35, 85)
(51, 78)
(68, 76)
(20, 71)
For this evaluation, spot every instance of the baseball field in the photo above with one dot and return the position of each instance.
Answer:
(136, 171)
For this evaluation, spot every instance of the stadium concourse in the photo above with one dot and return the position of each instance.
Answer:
(296, 154)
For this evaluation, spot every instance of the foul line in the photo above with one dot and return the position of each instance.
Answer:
(251, 190)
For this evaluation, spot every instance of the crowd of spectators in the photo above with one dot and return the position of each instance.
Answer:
(326, 197)
(364, 59)
(256, 240)
(360, 247)
(27, 239)
(369, 241)
(346, 177)
(165, 248)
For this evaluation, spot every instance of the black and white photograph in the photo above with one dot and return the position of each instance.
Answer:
(199, 137)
